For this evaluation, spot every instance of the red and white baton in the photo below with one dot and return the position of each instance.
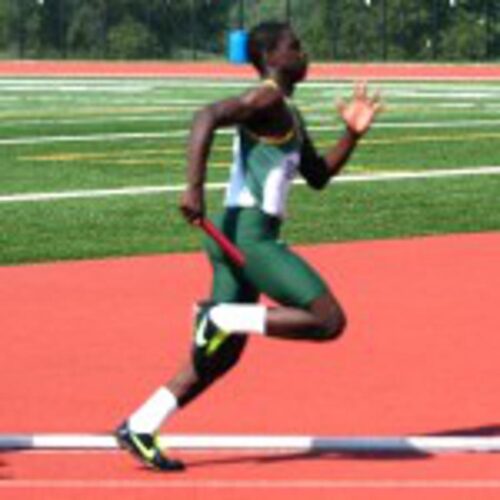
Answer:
(227, 246)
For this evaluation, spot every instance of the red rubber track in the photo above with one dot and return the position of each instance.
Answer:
(83, 343)
(338, 71)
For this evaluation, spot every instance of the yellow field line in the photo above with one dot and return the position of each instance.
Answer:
(111, 155)
(89, 156)
(139, 162)
(124, 157)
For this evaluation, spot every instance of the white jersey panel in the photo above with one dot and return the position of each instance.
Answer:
(238, 194)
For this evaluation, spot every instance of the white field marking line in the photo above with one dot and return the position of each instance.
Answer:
(93, 137)
(251, 484)
(102, 119)
(51, 88)
(155, 96)
(304, 102)
(433, 91)
(187, 109)
(428, 93)
(460, 94)
(431, 96)
(103, 193)
(167, 83)
(102, 111)
(214, 186)
(184, 133)
(447, 124)
(317, 117)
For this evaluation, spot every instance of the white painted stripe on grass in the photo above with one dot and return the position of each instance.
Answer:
(91, 137)
(214, 186)
(213, 83)
(101, 193)
(447, 124)
(50, 87)
(415, 93)
(102, 119)
(121, 136)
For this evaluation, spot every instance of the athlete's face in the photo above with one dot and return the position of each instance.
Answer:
(289, 58)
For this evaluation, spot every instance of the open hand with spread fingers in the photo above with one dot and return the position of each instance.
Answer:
(359, 113)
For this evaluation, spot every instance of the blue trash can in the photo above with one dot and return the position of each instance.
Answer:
(238, 53)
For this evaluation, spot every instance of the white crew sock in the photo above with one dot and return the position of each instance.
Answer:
(149, 417)
(241, 318)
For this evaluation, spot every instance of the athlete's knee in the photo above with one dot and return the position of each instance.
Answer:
(331, 326)
(331, 318)
(337, 324)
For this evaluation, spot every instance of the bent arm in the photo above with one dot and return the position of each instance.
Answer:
(234, 111)
(205, 123)
(318, 170)
(358, 116)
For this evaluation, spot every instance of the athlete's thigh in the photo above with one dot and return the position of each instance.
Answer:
(229, 284)
(274, 269)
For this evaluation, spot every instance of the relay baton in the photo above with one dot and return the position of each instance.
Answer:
(227, 246)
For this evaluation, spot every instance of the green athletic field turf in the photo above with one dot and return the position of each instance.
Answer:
(64, 135)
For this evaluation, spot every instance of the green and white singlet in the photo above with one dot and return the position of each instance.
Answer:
(255, 205)
(263, 169)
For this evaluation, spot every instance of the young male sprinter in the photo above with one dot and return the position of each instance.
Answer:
(271, 146)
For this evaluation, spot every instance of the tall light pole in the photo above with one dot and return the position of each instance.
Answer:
(241, 14)
(435, 26)
(489, 27)
(39, 34)
(288, 10)
(192, 17)
(384, 30)
(335, 21)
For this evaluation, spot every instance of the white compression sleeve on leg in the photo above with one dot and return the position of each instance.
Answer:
(149, 417)
(241, 318)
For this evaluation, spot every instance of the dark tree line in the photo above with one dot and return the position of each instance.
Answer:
(176, 29)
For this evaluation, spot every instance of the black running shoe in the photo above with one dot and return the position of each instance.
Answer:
(145, 447)
(207, 335)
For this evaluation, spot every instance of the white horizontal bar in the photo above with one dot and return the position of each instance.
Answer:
(336, 444)
(389, 444)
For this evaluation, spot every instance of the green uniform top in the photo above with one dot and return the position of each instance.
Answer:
(263, 169)
(262, 172)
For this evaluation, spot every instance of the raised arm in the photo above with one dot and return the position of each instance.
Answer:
(358, 115)
(233, 111)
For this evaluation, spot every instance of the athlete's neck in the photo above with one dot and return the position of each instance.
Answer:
(286, 86)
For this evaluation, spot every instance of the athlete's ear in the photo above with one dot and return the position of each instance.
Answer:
(268, 59)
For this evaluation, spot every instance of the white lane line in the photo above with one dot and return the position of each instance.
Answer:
(467, 84)
(121, 136)
(213, 186)
(91, 137)
(102, 119)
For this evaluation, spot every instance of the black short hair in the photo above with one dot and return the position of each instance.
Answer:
(263, 38)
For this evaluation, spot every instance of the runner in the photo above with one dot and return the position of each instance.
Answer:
(271, 146)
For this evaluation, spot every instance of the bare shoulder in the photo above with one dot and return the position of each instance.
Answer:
(246, 107)
(263, 97)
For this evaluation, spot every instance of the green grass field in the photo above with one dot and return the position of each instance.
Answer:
(65, 135)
